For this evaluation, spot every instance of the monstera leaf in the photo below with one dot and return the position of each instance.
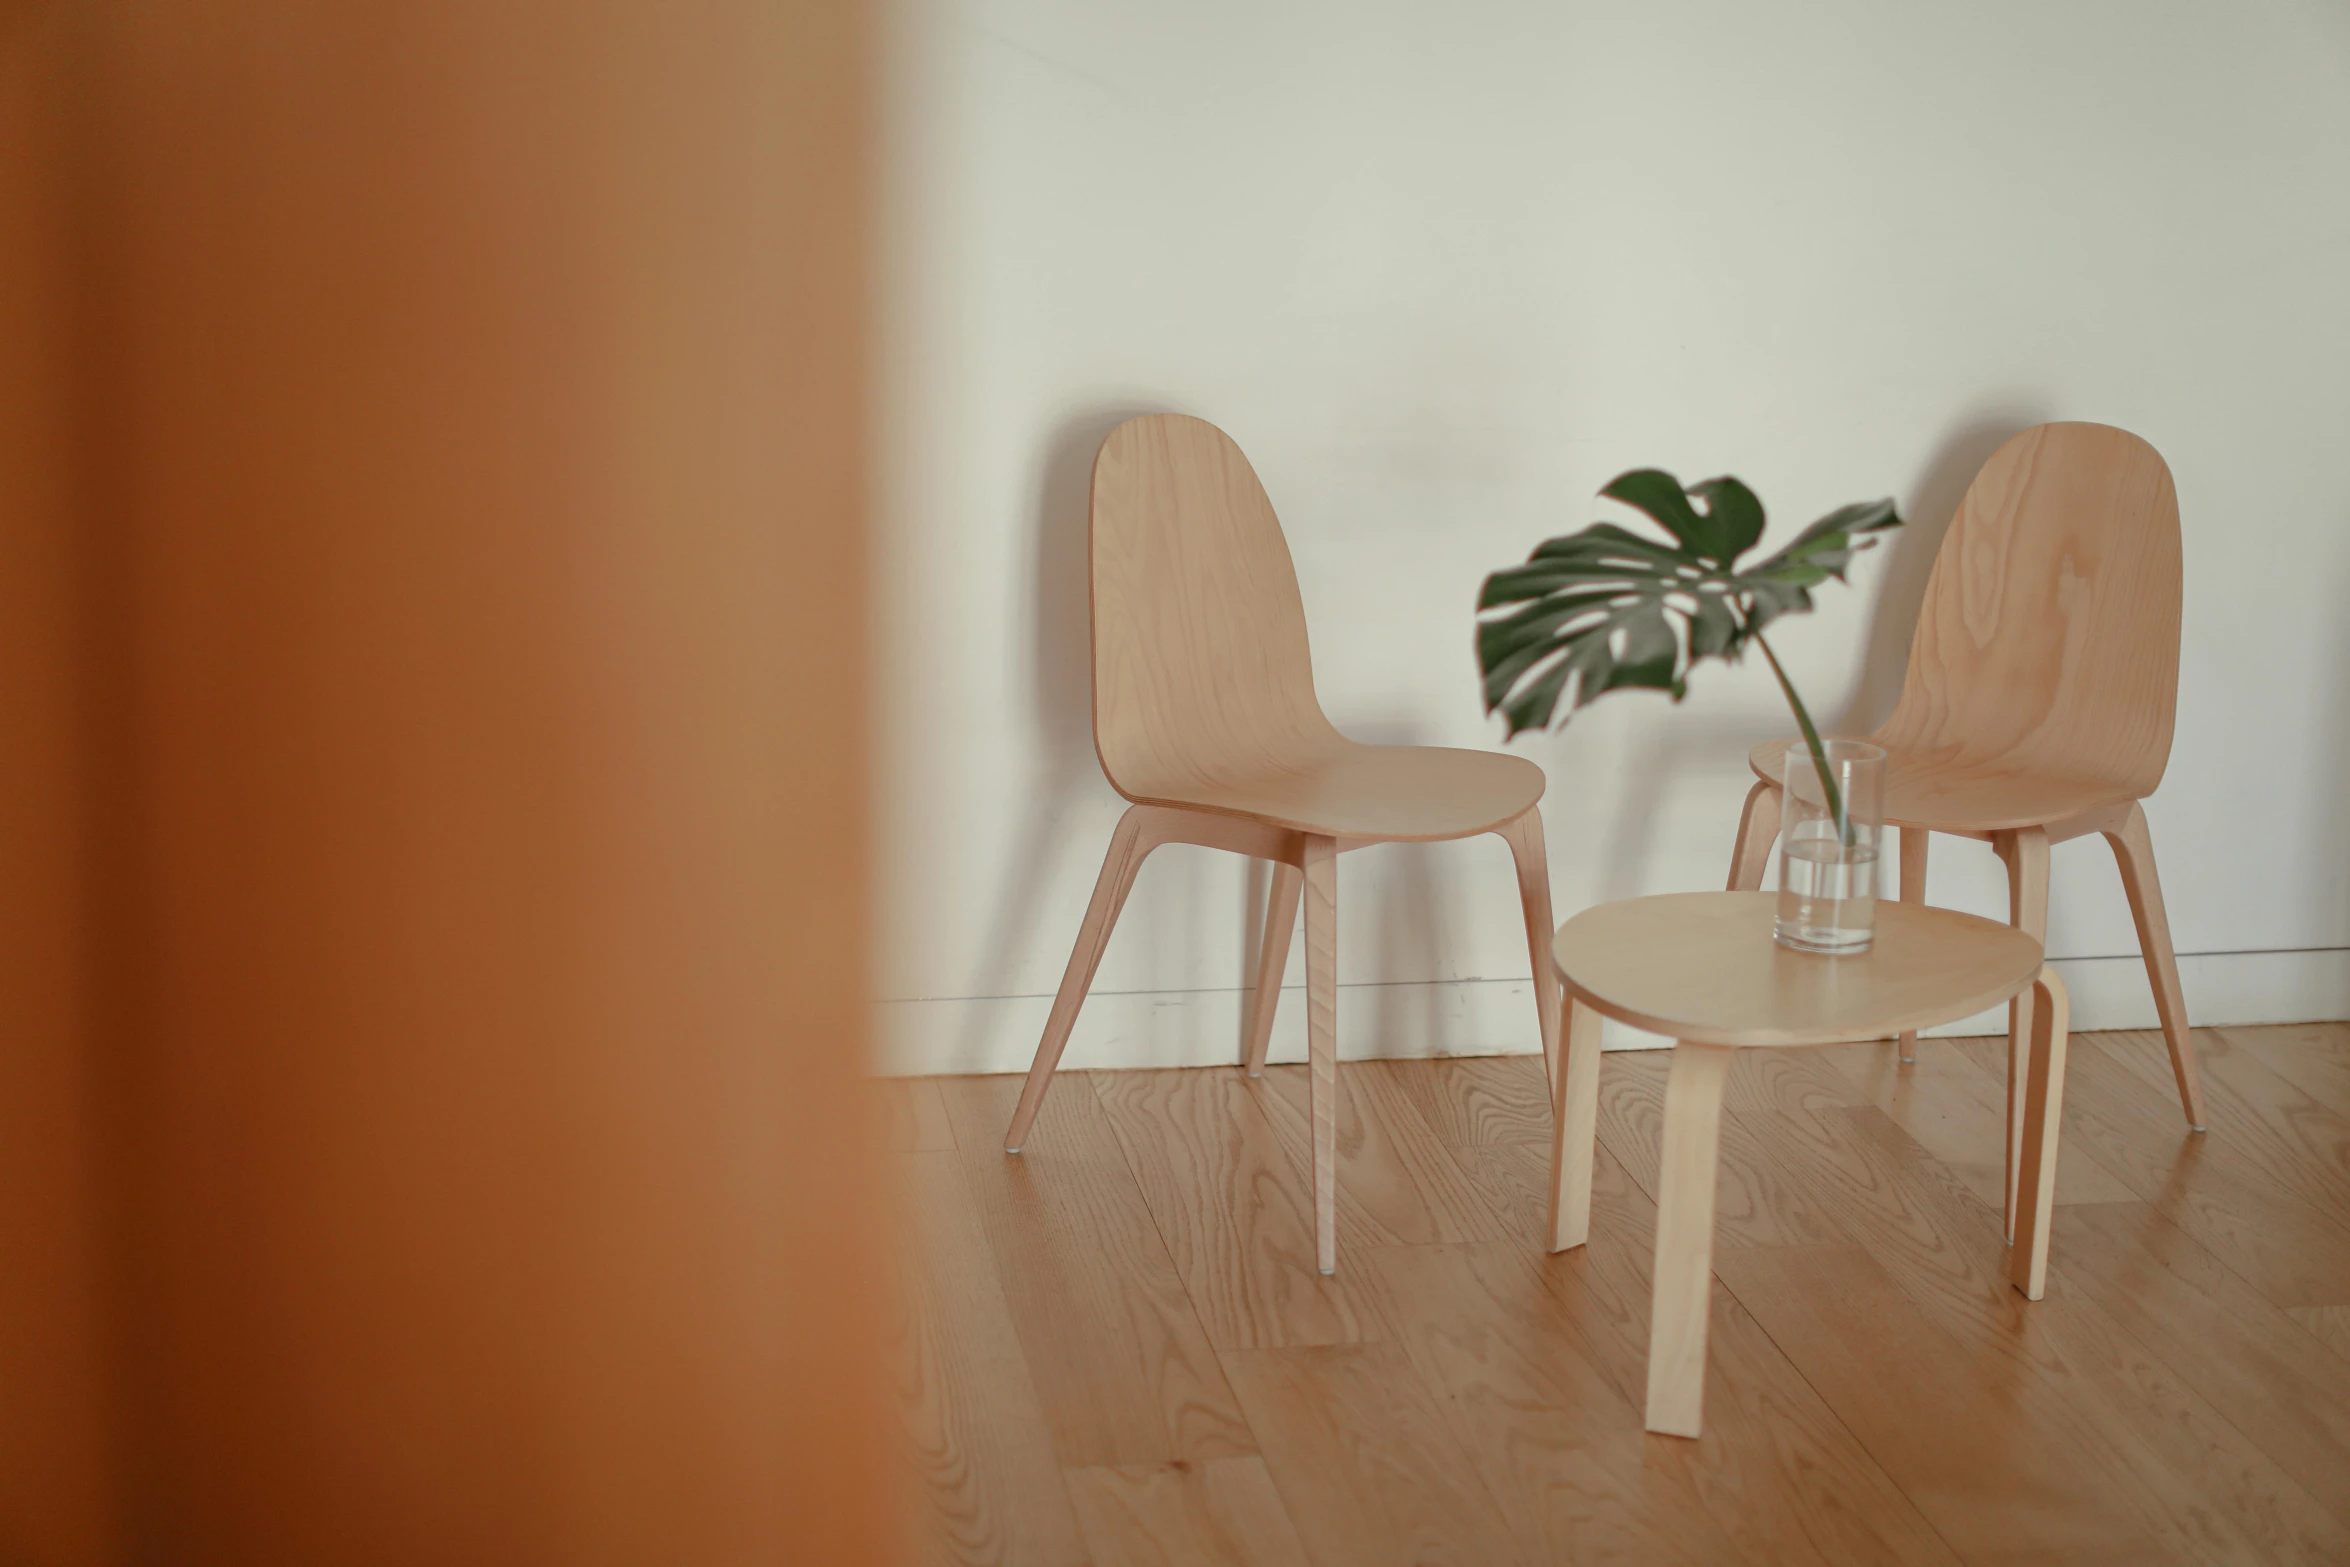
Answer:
(1607, 608)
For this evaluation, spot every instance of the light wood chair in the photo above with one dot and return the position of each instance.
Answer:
(2042, 684)
(1204, 716)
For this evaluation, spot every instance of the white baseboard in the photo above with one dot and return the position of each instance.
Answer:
(1481, 1017)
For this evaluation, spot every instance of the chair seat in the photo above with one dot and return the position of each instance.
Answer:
(1390, 793)
(1955, 796)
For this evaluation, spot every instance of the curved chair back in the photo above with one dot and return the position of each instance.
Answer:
(1200, 668)
(2049, 637)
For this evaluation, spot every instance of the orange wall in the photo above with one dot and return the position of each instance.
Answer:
(470, 659)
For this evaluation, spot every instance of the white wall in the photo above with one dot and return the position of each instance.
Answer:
(1443, 270)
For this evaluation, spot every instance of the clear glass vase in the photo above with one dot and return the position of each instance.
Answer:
(1827, 864)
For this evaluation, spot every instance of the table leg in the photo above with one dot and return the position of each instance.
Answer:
(1685, 1237)
(1574, 1117)
(2043, 1115)
(1913, 890)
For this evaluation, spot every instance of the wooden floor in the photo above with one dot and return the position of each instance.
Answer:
(1118, 1351)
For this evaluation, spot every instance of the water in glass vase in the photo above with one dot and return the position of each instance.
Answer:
(1827, 895)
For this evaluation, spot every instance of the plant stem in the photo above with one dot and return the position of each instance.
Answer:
(1811, 738)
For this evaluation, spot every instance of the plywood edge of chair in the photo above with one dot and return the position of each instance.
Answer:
(1348, 836)
(2089, 803)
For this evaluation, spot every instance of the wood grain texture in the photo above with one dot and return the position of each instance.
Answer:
(2043, 682)
(2043, 675)
(1758, 830)
(1995, 1486)
(2024, 851)
(2227, 1197)
(2313, 1057)
(1779, 1472)
(1754, 1203)
(1231, 1211)
(1556, 1444)
(1205, 718)
(1398, 1185)
(1124, 1371)
(1701, 967)
(1476, 1101)
(2255, 1365)
(1574, 1131)
(974, 1434)
(2136, 1434)
(1882, 1395)
(2300, 1140)
(1958, 1114)
(1530, 858)
(1372, 1475)
(1224, 1513)
(2035, 1200)
(2047, 647)
(1203, 683)
(1682, 1280)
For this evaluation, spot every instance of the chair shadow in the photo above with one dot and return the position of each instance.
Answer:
(1930, 506)
(1409, 915)
(1413, 907)
(1061, 676)
(2337, 713)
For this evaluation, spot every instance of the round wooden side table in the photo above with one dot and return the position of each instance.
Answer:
(1702, 968)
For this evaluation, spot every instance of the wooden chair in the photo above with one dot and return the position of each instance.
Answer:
(1204, 716)
(2038, 706)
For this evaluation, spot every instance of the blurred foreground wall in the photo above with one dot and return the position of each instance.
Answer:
(432, 785)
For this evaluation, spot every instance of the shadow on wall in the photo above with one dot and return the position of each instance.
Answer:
(1414, 910)
(1930, 503)
(2337, 853)
(1064, 769)
(1409, 917)
(1414, 914)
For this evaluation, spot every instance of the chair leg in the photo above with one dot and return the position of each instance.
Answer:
(1574, 1119)
(2133, 850)
(1683, 1275)
(1133, 840)
(1524, 836)
(1321, 900)
(1758, 829)
(2026, 852)
(2043, 1116)
(1913, 890)
(1272, 962)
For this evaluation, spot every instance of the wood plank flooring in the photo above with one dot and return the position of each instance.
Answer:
(1115, 1348)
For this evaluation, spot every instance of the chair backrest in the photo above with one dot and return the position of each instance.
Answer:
(1200, 668)
(2049, 637)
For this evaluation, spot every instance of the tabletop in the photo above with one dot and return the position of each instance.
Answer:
(1702, 967)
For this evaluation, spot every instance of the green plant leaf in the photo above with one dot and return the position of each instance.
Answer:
(1659, 494)
(1607, 609)
(1737, 515)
